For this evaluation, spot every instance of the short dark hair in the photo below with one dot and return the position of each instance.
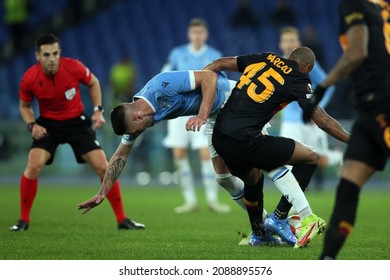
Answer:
(198, 22)
(46, 39)
(118, 123)
(289, 29)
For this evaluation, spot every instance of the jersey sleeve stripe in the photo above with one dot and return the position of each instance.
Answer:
(192, 79)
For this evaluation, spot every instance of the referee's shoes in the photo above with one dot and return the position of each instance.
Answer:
(130, 224)
(22, 225)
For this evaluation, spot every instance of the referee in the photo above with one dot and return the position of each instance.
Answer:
(54, 82)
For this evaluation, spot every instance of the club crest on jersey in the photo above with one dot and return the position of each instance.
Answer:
(70, 93)
(309, 88)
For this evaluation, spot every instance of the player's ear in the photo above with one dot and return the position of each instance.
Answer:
(138, 117)
(306, 68)
(309, 68)
(37, 56)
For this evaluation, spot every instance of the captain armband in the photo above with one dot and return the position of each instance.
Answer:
(128, 139)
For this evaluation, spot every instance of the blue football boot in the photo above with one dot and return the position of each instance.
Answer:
(280, 228)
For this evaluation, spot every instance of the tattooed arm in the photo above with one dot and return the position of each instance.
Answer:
(329, 125)
(114, 169)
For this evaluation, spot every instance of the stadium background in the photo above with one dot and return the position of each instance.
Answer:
(146, 30)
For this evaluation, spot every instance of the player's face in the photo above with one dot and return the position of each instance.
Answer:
(289, 42)
(137, 123)
(49, 57)
(197, 35)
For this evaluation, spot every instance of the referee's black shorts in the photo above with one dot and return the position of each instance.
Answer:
(370, 138)
(77, 132)
(264, 152)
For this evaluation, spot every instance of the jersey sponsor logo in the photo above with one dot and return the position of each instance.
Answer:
(348, 19)
(70, 93)
(279, 63)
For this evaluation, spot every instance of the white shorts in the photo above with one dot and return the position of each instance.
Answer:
(309, 134)
(179, 137)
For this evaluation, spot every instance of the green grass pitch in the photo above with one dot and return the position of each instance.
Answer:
(58, 231)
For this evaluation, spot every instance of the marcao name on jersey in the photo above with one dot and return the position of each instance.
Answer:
(279, 63)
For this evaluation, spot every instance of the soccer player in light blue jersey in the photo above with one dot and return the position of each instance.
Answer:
(192, 56)
(292, 125)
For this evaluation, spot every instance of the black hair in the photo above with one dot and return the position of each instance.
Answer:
(303, 54)
(46, 39)
(118, 119)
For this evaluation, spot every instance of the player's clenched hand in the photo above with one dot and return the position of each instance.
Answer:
(312, 103)
(91, 203)
(38, 132)
(195, 123)
(98, 120)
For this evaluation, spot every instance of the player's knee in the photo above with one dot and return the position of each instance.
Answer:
(101, 169)
(315, 157)
(224, 180)
(312, 156)
(33, 170)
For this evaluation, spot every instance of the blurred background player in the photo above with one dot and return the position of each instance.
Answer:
(192, 56)
(365, 38)
(123, 78)
(292, 125)
(54, 82)
(16, 16)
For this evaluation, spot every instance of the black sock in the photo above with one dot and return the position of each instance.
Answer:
(279, 215)
(303, 174)
(253, 200)
(342, 220)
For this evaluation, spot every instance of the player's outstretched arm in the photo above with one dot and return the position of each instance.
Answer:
(207, 81)
(329, 125)
(354, 55)
(114, 169)
(223, 64)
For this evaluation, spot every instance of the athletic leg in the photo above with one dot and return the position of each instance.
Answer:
(354, 175)
(37, 157)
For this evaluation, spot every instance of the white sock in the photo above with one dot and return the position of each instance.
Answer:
(208, 180)
(235, 187)
(286, 183)
(186, 181)
(334, 157)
